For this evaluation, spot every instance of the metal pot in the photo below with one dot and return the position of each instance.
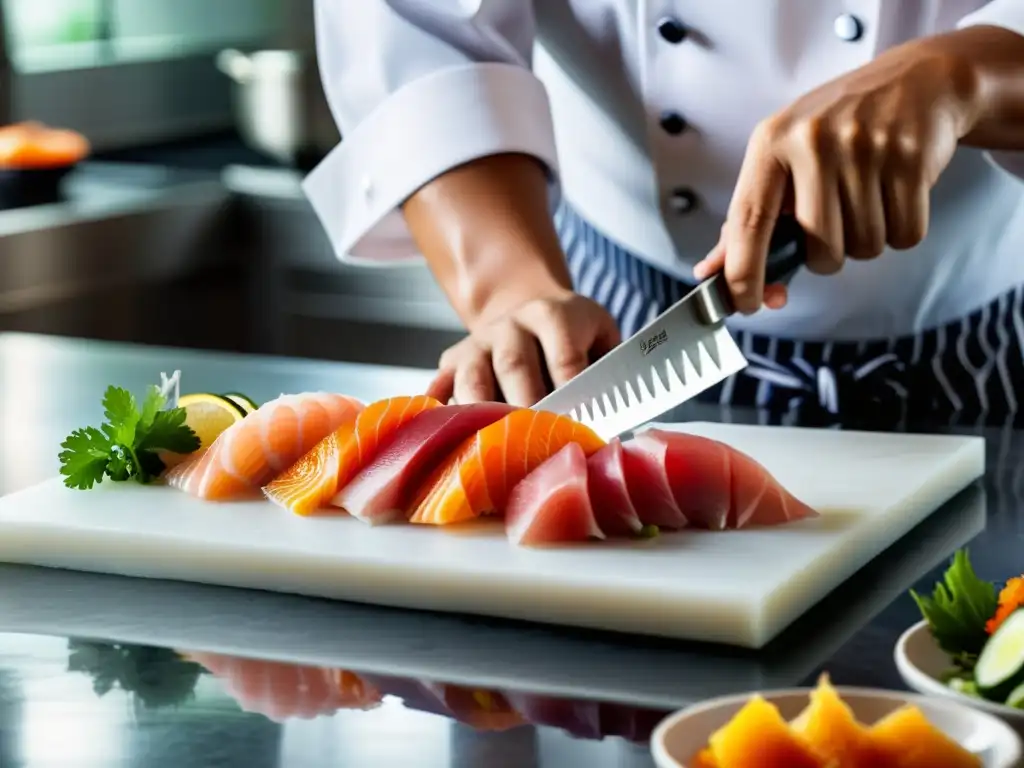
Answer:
(280, 105)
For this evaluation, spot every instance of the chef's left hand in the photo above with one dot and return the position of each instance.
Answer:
(854, 160)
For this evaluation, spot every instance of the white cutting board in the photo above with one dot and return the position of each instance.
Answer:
(736, 587)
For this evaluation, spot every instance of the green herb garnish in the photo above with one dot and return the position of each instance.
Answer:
(958, 610)
(127, 446)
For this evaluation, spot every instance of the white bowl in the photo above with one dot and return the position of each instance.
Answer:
(681, 735)
(921, 664)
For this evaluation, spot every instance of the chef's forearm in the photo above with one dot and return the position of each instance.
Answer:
(485, 229)
(990, 60)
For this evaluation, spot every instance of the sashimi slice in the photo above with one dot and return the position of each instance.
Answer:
(648, 484)
(382, 491)
(717, 486)
(484, 710)
(281, 691)
(614, 512)
(551, 504)
(308, 486)
(250, 452)
(579, 717)
(693, 482)
(478, 477)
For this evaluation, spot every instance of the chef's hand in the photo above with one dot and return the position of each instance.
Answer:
(854, 160)
(486, 231)
(517, 353)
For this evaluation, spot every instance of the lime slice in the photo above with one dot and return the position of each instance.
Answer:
(247, 403)
(208, 415)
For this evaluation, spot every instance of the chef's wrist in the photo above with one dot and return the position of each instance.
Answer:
(983, 67)
(487, 300)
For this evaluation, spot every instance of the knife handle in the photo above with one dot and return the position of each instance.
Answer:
(787, 251)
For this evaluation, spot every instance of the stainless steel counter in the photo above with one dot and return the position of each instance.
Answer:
(88, 657)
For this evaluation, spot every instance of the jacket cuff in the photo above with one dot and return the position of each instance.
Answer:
(427, 127)
(1008, 14)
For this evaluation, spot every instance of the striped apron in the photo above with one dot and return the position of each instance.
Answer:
(969, 370)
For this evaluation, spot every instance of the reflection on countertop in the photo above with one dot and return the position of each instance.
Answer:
(130, 705)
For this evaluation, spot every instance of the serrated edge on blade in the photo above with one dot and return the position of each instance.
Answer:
(626, 405)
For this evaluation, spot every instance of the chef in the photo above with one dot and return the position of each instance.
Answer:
(570, 168)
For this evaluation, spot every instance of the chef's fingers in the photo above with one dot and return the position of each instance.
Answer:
(517, 365)
(606, 336)
(565, 338)
(712, 263)
(443, 386)
(820, 213)
(860, 198)
(474, 379)
(906, 204)
(753, 212)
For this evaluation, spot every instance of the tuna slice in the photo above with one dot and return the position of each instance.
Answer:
(648, 484)
(384, 489)
(609, 495)
(551, 504)
(714, 485)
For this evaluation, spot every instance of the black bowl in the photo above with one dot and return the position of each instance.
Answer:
(22, 187)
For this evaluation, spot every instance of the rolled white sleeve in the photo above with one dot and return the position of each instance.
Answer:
(1008, 14)
(418, 88)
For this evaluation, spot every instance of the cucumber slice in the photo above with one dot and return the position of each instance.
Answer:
(245, 403)
(1016, 697)
(1000, 667)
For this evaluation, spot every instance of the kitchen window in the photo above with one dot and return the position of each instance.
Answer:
(129, 72)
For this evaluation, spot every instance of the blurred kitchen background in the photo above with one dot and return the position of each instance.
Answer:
(186, 226)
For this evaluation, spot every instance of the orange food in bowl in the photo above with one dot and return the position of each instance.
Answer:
(28, 146)
(827, 735)
(759, 737)
(829, 725)
(908, 740)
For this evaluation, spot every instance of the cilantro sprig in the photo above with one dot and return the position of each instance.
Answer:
(958, 609)
(128, 445)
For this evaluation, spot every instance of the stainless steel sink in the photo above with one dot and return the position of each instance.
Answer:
(237, 261)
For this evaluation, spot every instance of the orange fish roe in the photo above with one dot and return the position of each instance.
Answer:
(1011, 597)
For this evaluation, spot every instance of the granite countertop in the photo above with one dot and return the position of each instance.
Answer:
(90, 655)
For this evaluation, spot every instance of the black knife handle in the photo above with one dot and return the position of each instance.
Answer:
(787, 251)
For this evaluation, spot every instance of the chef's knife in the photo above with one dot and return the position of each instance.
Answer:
(678, 355)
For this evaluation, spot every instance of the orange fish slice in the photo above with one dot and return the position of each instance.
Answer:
(310, 484)
(479, 476)
(250, 452)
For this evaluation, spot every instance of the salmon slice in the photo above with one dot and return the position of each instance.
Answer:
(311, 482)
(383, 489)
(551, 505)
(478, 477)
(712, 484)
(609, 495)
(250, 452)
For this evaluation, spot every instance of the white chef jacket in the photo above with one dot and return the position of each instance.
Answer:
(641, 110)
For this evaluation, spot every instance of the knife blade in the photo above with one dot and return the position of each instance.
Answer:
(682, 352)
